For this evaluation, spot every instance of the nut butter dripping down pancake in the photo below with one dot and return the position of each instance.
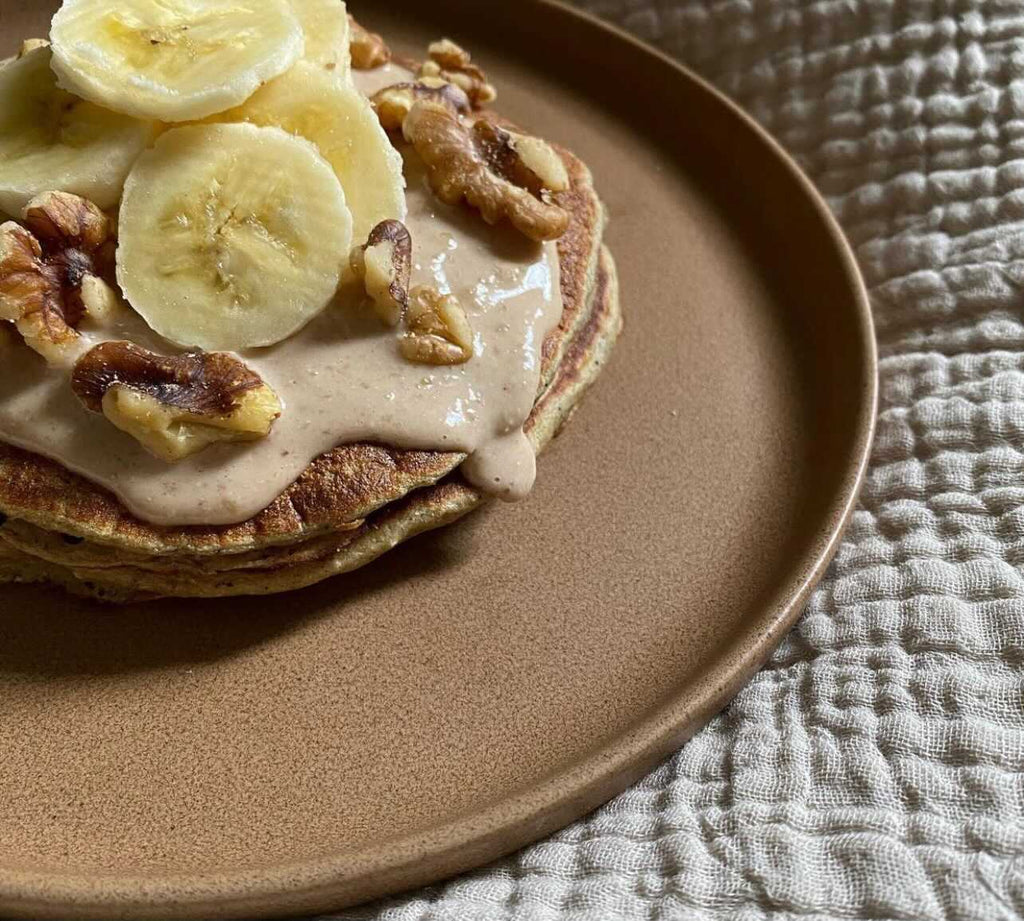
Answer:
(341, 379)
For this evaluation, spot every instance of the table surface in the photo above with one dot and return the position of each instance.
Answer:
(875, 768)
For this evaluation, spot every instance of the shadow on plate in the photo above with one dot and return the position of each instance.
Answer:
(45, 632)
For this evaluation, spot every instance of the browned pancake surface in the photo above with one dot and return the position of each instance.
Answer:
(338, 488)
(287, 568)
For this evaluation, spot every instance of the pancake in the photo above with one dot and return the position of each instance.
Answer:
(287, 569)
(344, 485)
(349, 506)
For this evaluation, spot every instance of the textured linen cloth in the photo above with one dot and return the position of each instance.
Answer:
(874, 768)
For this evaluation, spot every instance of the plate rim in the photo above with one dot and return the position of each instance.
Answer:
(507, 825)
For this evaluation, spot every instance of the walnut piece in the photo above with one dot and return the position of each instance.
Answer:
(525, 161)
(384, 264)
(393, 103)
(32, 44)
(477, 162)
(437, 331)
(31, 295)
(369, 50)
(43, 266)
(454, 64)
(102, 305)
(175, 406)
(541, 159)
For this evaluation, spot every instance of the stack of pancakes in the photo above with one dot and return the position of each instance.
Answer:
(349, 506)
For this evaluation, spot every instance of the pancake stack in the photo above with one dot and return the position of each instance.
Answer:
(351, 505)
(348, 507)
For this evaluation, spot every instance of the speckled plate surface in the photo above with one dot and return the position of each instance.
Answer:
(487, 684)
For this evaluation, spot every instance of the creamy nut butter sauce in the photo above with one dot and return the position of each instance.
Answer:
(369, 82)
(341, 380)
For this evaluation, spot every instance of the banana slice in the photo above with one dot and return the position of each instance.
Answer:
(52, 141)
(317, 105)
(325, 24)
(172, 60)
(231, 236)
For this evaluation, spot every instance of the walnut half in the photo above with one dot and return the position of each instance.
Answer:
(526, 161)
(453, 64)
(384, 265)
(175, 406)
(473, 160)
(394, 103)
(65, 241)
(368, 49)
(438, 332)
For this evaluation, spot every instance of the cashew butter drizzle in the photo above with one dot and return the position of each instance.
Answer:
(341, 380)
(369, 82)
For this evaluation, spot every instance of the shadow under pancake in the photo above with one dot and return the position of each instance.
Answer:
(81, 637)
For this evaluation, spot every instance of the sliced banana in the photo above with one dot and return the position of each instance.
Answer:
(172, 60)
(325, 25)
(53, 141)
(315, 104)
(231, 236)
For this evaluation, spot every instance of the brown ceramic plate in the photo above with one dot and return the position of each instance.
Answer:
(484, 685)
